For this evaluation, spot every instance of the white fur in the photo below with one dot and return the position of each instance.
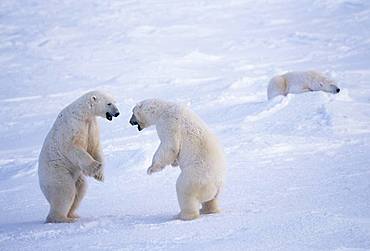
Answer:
(186, 142)
(298, 82)
(71, 150)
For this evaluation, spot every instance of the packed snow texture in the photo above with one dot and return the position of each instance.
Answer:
(298, 166)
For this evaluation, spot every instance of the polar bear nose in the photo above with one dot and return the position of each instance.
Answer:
(133, 120)
(338, 90)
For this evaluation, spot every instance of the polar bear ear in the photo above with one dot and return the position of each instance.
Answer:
(93, 100)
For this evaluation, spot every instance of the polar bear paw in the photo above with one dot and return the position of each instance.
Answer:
(100, 175)
(73, 216)
(210, 207)
(186, 216)
(59, 219)
(154, 169)
(93, 169)
(175, 163)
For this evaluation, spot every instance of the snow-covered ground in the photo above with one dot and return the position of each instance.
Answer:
(298, 167)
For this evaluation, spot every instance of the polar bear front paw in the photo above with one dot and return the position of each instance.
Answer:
(100, 175)
(153, 169)
(175, 163)
(93, 169)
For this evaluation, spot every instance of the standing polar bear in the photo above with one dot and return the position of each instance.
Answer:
(300, 81)
(188, 143)
(72, 150)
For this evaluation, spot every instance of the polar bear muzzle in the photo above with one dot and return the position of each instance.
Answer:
(134, 122)
(334, 89)
(330, 88)
(109, 115)
(112, 111)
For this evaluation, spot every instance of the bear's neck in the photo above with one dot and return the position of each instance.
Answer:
(81, 111)
(156, 114)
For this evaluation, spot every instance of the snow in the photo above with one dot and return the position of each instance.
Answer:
(298, 167)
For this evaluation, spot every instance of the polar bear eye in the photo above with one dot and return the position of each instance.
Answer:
(109, 104)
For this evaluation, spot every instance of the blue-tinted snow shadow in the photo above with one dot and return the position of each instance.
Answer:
(17, 227)
(130, 219)
(91, 221)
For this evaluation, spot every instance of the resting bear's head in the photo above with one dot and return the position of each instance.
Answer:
(103, 104)
(326, 85)
(329, 87)
(147, 112)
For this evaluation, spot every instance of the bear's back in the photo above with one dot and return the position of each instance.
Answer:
(198, 138)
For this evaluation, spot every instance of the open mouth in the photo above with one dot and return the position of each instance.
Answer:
(134, 123)
(138, 125)
(108, 116)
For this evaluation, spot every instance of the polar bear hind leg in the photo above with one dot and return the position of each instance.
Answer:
(188, 202)
(210, 193)
(277, 86)
(189, 207)
(81, 187)
(61, 198)
(210, 207)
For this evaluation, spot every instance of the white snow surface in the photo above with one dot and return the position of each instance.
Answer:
(298, 167)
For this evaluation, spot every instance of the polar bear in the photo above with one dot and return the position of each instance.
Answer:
(186, 142)
(71, 150)
(300, 81)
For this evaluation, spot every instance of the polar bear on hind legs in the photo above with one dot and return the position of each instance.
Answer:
(299, 82)
(188, 143)
(71, 150)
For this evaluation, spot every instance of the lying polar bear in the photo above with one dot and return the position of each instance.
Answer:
(186, 142)
(298, 82)
(70, 151)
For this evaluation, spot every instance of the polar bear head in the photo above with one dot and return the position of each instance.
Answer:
(102, 104)
(323, 83)
(147, 112)
(328, 86)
